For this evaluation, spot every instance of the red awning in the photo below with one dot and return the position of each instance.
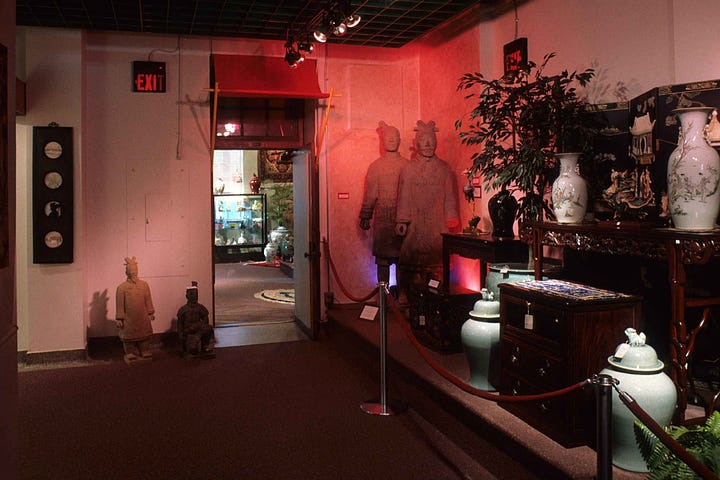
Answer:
(257, 76)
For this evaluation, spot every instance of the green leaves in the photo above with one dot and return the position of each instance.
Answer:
(518, 124)
(703, 442)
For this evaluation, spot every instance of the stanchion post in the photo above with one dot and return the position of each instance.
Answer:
(382, 407)
(603, 402)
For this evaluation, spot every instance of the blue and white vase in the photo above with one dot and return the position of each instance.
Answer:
(693, 174)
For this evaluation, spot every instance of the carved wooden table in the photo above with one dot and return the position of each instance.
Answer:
(482, 246)
(677, 248)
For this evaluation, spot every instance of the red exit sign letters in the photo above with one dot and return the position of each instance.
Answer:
(149, 77)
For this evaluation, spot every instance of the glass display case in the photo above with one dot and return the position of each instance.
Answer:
(240, 227)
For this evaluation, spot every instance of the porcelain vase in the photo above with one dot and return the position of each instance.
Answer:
(693, 174)
(480, 337)
(569, 191)
(502, 208)
(639, 373)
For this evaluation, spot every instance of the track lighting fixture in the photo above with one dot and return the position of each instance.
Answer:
(305, 45)
(292, 56)
(336, 20)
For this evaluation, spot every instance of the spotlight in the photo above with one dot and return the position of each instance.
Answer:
(353, 20)
(340, 29)
(321, 33)
(292, 56)
(306, 45)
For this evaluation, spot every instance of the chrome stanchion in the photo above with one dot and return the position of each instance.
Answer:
(382, 407)
(603, 402)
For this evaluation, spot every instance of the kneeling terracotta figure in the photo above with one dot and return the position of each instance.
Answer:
(193, 325)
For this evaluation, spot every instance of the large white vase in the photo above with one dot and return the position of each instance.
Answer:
(569, 191)
(693, 174)
(639, 372)
(480, 336)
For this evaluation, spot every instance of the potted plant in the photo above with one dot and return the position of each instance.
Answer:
(702, 441)
(519, 124)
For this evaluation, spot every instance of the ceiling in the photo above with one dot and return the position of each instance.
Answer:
(385, 23)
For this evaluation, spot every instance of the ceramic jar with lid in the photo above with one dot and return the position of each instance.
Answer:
(640, 373)
(480, 337)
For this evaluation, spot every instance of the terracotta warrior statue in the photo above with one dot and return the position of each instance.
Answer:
(194, 329)
(380, 201)
(427, 207)
(134, 312)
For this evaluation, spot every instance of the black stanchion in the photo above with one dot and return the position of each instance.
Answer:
(382, 407)
(603, 403)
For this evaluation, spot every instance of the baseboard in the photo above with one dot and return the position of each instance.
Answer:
(39, 358)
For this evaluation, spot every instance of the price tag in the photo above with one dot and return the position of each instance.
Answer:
(622, 350)
(369, 312)
(421, 320)
(434, 283)
(529, 321)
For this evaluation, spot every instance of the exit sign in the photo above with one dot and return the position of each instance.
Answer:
(149, 77)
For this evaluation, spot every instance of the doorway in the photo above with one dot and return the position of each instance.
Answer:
(253, 261)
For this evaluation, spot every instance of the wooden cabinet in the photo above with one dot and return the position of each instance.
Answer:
(554, 334)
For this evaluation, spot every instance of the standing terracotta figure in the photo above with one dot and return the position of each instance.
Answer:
(427, 207)
(135, 311)
(380, 201)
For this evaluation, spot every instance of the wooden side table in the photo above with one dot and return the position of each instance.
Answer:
(485, 247)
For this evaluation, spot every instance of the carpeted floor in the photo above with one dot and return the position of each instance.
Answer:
(276, 411)
(238, 299)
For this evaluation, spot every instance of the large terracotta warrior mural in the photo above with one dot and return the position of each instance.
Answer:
(427, 207)
(380, 201)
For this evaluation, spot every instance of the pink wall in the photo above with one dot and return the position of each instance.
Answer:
(131, 141)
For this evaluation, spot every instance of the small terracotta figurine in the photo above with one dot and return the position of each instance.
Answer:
(427, 207)
(380, 201)
(196, 334)
(134, 312)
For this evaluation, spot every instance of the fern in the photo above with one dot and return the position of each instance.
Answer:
(703, 442)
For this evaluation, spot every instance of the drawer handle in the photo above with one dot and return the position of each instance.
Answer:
(516, 350)
(542, 372)
(544, 407)
(514, 359)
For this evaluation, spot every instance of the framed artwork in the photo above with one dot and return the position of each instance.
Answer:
(52, 194)
(275, 165)
(4, 210)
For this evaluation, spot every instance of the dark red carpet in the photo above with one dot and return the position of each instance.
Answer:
(275, 411)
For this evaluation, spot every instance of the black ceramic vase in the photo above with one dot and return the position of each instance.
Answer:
(502, 208)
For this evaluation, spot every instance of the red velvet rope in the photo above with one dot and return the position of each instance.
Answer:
(337, 279)
(462, 384)
(442, 371)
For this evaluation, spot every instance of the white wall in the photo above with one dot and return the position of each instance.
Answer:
(50, 297)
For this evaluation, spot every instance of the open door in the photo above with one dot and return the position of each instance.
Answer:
(307, 241)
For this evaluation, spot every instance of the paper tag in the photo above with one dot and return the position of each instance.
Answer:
(434, 283)
(529, 321)
(421, 320)
(369, 312)
(622, 350)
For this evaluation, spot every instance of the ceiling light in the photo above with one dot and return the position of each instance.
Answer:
(306, 45)
(352, 20)
(292, 56)
(321, 33)
(340, 29)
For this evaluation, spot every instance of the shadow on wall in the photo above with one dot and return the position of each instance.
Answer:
(100, 324)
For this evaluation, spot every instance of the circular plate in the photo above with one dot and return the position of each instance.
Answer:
(53, 209)
(52, 150)
(53, 180)
(53, 239)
